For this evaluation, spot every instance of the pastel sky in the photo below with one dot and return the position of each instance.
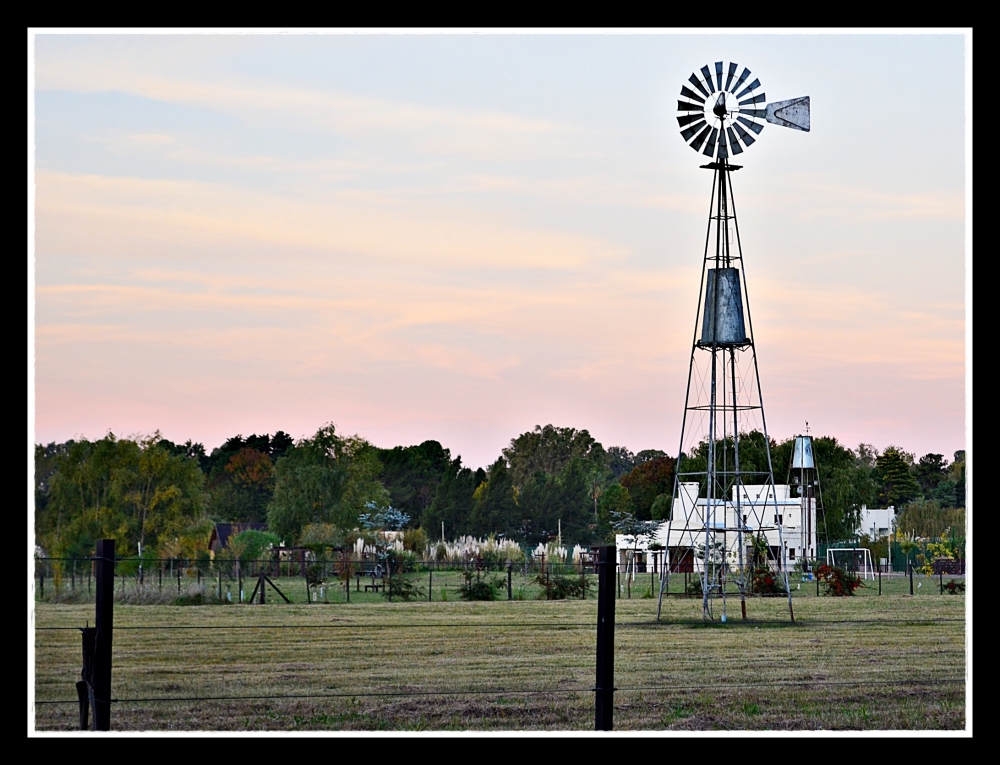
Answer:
(461, 236)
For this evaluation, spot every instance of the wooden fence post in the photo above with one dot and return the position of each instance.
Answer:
(104, 623)
(604, 690)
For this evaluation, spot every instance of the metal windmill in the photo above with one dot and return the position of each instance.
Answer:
(724, 512)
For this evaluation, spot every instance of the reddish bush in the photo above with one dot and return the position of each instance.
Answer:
(766, 582)
(838, 582)
(954, 587)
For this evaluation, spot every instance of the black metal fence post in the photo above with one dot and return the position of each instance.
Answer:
(941, 580)
(430, 584)
(604, 691)
(104, 622)
(84, 686)
(911, 578)
(510, 592)
(880, 577)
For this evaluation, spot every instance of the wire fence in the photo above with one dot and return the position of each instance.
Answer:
(158, 581)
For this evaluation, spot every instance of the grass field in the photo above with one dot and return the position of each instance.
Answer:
(869, 662)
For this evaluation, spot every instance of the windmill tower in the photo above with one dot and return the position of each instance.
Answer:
(725, 512)
(803, 478)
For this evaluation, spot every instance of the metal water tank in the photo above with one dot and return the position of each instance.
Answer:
(722, 321)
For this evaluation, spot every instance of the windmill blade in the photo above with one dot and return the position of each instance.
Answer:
(684, 106)
(688, 132)
(752, 86)
(762, 113)
(732, 73)
(693, 79)
(754, 126)
(743, 134)
(708, 78)
(697, 142)
(733, 143)
(688, 93)
(710, 145)
(793, 113)
(741, 80)
(718, 74)
(754, 100)
(688, 118)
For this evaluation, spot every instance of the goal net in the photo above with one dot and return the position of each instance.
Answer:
(856, 560)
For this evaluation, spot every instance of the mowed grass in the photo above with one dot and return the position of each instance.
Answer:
(886, 663)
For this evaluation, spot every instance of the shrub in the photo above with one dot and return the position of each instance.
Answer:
(838, 582)
(415, 540)
(562, 587)
(314, 575)
(480, 589)
(402, 588)
(191, 599)
(405, 560)
(767, 582)
(954, 587)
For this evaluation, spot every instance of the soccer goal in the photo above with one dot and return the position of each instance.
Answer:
(856, 560)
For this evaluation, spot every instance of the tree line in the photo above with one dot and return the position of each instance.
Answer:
(162, 497)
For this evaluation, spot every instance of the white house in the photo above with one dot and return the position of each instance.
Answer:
(758, 509)
(876, 522)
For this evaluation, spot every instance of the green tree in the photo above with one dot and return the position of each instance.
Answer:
(549, 450)
(242, 489)
(325, 479)
(495, 509)
(412, 475)
(646, 482)
(956, 473)
(927, 519)
(847, 481)
(929, 472)
(453, 501)
(135, 492)
(620, 461)
(616, 500)
(899, 486)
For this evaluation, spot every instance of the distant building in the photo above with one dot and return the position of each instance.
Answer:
(795, 516)
(221, 533)
(877, 522)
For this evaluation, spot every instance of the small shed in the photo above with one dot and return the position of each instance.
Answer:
(221, 533)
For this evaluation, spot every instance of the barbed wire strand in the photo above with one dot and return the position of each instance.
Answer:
(508, 692)
(536, 625)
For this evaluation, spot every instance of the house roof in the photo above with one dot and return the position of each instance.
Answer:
(221, 532)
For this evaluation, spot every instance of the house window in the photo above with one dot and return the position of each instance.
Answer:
(791, 553)
(777, 519)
